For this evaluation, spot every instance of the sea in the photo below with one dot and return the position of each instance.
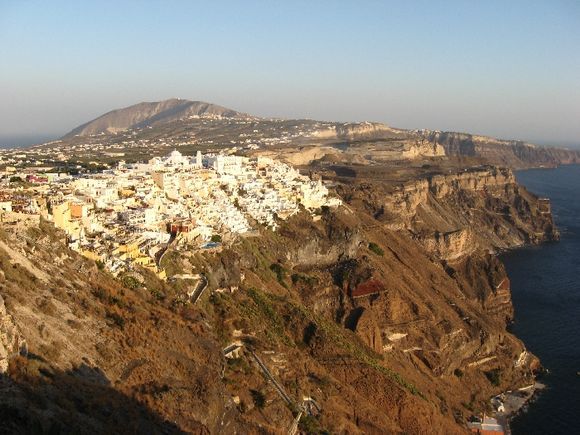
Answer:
(23, 141)
(545, 283)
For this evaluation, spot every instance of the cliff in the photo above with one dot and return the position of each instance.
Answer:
(457, 219)
(483, 204)
(389, 313)
(509, 153)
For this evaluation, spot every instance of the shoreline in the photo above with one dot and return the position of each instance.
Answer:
(513, 402)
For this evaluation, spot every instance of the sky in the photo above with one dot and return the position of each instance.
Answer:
(509, 69)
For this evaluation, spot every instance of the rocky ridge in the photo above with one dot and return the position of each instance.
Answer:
(509, 153)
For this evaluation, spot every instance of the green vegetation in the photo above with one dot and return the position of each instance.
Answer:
(468, 406)
(130, 282)
(263, 310)
(216, 238)
(458, 373)
(310, 425)
(373, 247)
(359, 351)
(157, 294)
(494, 377)
(305, 279)
(257, 253)
(280, 272)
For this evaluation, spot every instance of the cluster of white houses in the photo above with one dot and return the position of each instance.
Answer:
(126, 215)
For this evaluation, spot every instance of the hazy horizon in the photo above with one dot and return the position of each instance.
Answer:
(504, 70)
(21, 141)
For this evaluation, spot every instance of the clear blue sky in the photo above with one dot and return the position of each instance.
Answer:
(504, 68)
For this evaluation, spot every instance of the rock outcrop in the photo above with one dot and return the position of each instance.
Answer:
(11, 341)
(484, 205)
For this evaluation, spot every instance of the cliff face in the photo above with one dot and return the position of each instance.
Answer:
(364, 130)
(511, 153)
(413, 279)
(482, 207)
(387, 312)
(458, 219)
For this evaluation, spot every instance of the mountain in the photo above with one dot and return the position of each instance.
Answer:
(152, 114)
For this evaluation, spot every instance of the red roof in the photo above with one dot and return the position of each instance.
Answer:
(366, 288)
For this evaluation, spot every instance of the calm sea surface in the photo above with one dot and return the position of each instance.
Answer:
(546, 294)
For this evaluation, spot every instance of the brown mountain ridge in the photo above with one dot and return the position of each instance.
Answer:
(149, 114)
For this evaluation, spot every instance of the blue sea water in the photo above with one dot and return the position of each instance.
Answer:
(546, 295)
(22, 141)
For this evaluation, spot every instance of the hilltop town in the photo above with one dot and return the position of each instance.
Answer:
(128, 214)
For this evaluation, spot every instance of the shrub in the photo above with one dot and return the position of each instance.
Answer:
(258, 398)
(279, 271)
(310, 425)
(100, 293)
(157, 294)
(494, 377)
(373, 247)
(301, 278)
(47, 307)
(458, 373)
(130, 282)
(216, 238)
(116, 318)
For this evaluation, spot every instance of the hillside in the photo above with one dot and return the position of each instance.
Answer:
(152, 114)
(386, 315)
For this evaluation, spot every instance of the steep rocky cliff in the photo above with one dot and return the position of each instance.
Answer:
(484, 205)
(385, 315)
(461, 217)
(511, 153)
(359, 131)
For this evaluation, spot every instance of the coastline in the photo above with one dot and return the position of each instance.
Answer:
(513, 402)
(540, 182)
